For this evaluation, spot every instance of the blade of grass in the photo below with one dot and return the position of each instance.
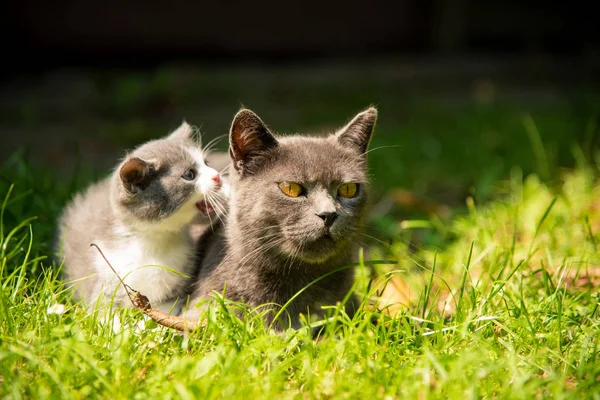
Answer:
(537, 145)
(463, 282)
(539, 225)
(590, 235)
(4, 203)
(428, 286)
(352, 265)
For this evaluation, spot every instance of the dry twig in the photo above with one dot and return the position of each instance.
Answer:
(141, 302)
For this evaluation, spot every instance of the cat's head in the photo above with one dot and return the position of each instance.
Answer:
(165, 183)
(299, 196)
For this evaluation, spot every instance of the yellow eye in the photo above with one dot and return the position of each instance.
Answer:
(348, 190)
(292, 189)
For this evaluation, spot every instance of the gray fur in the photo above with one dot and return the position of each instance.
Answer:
(138, 216)
(274, 245)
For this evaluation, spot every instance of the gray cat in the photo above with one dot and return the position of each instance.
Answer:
(296, 206)
(138, 217)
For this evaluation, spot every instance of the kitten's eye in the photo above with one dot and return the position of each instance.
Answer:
(292, 189)
(348, 190)
(189, 175)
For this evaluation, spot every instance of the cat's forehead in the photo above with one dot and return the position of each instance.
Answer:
(313, 159)
(168, 152)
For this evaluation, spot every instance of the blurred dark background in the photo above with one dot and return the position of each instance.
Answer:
(467, 90)
(42, 34)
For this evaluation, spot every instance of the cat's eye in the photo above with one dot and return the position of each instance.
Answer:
(189, 175)
(292, 189)
(347, 190)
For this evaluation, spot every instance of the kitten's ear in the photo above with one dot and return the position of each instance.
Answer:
(135, 174)
(184, 132)
(359, 131)
(249, 138)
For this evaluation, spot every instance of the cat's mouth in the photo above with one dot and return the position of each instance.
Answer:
(205, 208)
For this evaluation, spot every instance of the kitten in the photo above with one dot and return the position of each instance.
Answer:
(138, 217)
(296, 206)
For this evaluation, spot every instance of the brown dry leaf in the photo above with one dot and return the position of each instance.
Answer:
(392, 295)
(571, 383)
(590, 276)
(575, 279)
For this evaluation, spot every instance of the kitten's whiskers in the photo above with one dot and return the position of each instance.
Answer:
(209, 146)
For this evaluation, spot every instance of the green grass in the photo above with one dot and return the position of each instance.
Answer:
(497, 297)
(523, 320)
(522, 326)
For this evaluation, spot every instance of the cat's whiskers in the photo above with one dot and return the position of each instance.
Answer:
(217, 201)
(213, 142)
(254, 239)
(216, 205)
(290, 260)
(208, 214)
(219, 196)
(207, 149)
(197, 134)
(220, 209)
(360, 158)
(260, 249)
(263, 247)
(379, 148)
(254, 230)
(257, 236)
(293, 257)
(252, 242)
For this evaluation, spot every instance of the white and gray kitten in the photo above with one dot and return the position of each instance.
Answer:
(139, 217)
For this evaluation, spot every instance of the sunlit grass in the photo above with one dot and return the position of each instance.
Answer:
(506, 308)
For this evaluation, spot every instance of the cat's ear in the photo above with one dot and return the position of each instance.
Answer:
(358, 132)
(249, 138)
(136, 173)
(184, 132)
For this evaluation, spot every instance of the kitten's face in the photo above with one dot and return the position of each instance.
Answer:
(165, 183)
(304, 196)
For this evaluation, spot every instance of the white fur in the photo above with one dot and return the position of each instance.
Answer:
(140, 251)
(183, 131)
(205, 181)
(140, 260)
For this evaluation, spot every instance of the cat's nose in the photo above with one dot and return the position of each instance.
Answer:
(328, 217)
(217, 180)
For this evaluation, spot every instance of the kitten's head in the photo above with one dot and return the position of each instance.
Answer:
(164, 183)
(299, 196)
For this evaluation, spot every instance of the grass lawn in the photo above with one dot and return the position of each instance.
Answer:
(494, 296)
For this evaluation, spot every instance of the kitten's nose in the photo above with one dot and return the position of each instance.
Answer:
(217, 179)
(328, 217)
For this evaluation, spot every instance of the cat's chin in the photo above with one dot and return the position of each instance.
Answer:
(318, 251)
